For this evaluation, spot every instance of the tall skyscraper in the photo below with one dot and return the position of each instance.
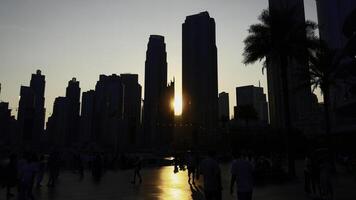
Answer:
(155, 84)
(300, 97)
(200, 73)
(224, 110)
(108, 117)
(31, 114)
(132, 105)
(331, 18)
(73, 98)
(253, 96)
(58, 123)
(87, 117)
(8, 126)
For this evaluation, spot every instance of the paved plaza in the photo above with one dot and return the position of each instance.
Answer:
(162, 183)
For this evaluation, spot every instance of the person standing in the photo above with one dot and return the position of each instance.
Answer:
(242, 174)
(210, 170)
(11, 175)
(41, 171)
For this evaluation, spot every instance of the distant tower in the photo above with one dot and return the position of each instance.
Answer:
(200, 73)
(155, 84)
(87, 117)
(31, 114)
(73, 98)
(132, 106)
(224, 111)
(108, 117)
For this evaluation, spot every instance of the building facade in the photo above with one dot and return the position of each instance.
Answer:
(224, 110)
(200, 74)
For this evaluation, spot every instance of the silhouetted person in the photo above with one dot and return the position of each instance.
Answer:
(53, 169)
(242, 174)
(137, 169)
(210, 169)
(27, 177)
(191, 166)
(97, 169)
(10, 175)
(80, 166)
(307, 175)
(326, 171)
(41, 170)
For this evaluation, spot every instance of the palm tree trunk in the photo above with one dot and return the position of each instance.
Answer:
(286, 102)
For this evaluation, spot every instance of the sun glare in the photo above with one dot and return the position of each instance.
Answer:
(177, 105)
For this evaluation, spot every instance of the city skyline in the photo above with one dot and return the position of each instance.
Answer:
(64, 56)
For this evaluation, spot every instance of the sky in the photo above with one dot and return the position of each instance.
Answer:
(86, 38)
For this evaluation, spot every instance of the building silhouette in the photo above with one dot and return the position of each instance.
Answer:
(342, 99)
(300, 95)
(132, 106)
(155, 86)
(252, 96)
(31, 112)
(108, 113)
(224, 110)
(87, 134)
(200, 73)
(73, 106)
(58, 124)
(8, 126)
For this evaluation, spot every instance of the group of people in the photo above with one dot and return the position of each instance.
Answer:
(27, 172)
(318, 171)
(241, 174)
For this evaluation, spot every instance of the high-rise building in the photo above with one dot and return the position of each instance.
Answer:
(108, 117)
(331, 19)
(253, 96)
(300, 95)
(73, 99)
(31, 114)
(200, 73)
(155, 85)
(87, 117)
(58, 123)
(132, 106)
(8, 125)
(224, 110)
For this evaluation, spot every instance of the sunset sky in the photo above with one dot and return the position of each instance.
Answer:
(85, 38)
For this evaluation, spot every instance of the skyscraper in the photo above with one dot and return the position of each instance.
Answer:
(87, 117)
(224, 110)
(108, 117)
(253, 96)
(200, 73)
(300, 95)
(331, 18)
(31, 114)
(58, 123)
(73, 98)
(155, 84)
(132, 105)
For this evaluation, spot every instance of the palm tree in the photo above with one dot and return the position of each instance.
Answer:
(280, 36)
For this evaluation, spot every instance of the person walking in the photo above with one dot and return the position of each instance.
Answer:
(137, 170)
(191, 166)
(242, 174)
(210, 170)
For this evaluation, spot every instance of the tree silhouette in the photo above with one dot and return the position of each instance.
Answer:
(283, 37)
